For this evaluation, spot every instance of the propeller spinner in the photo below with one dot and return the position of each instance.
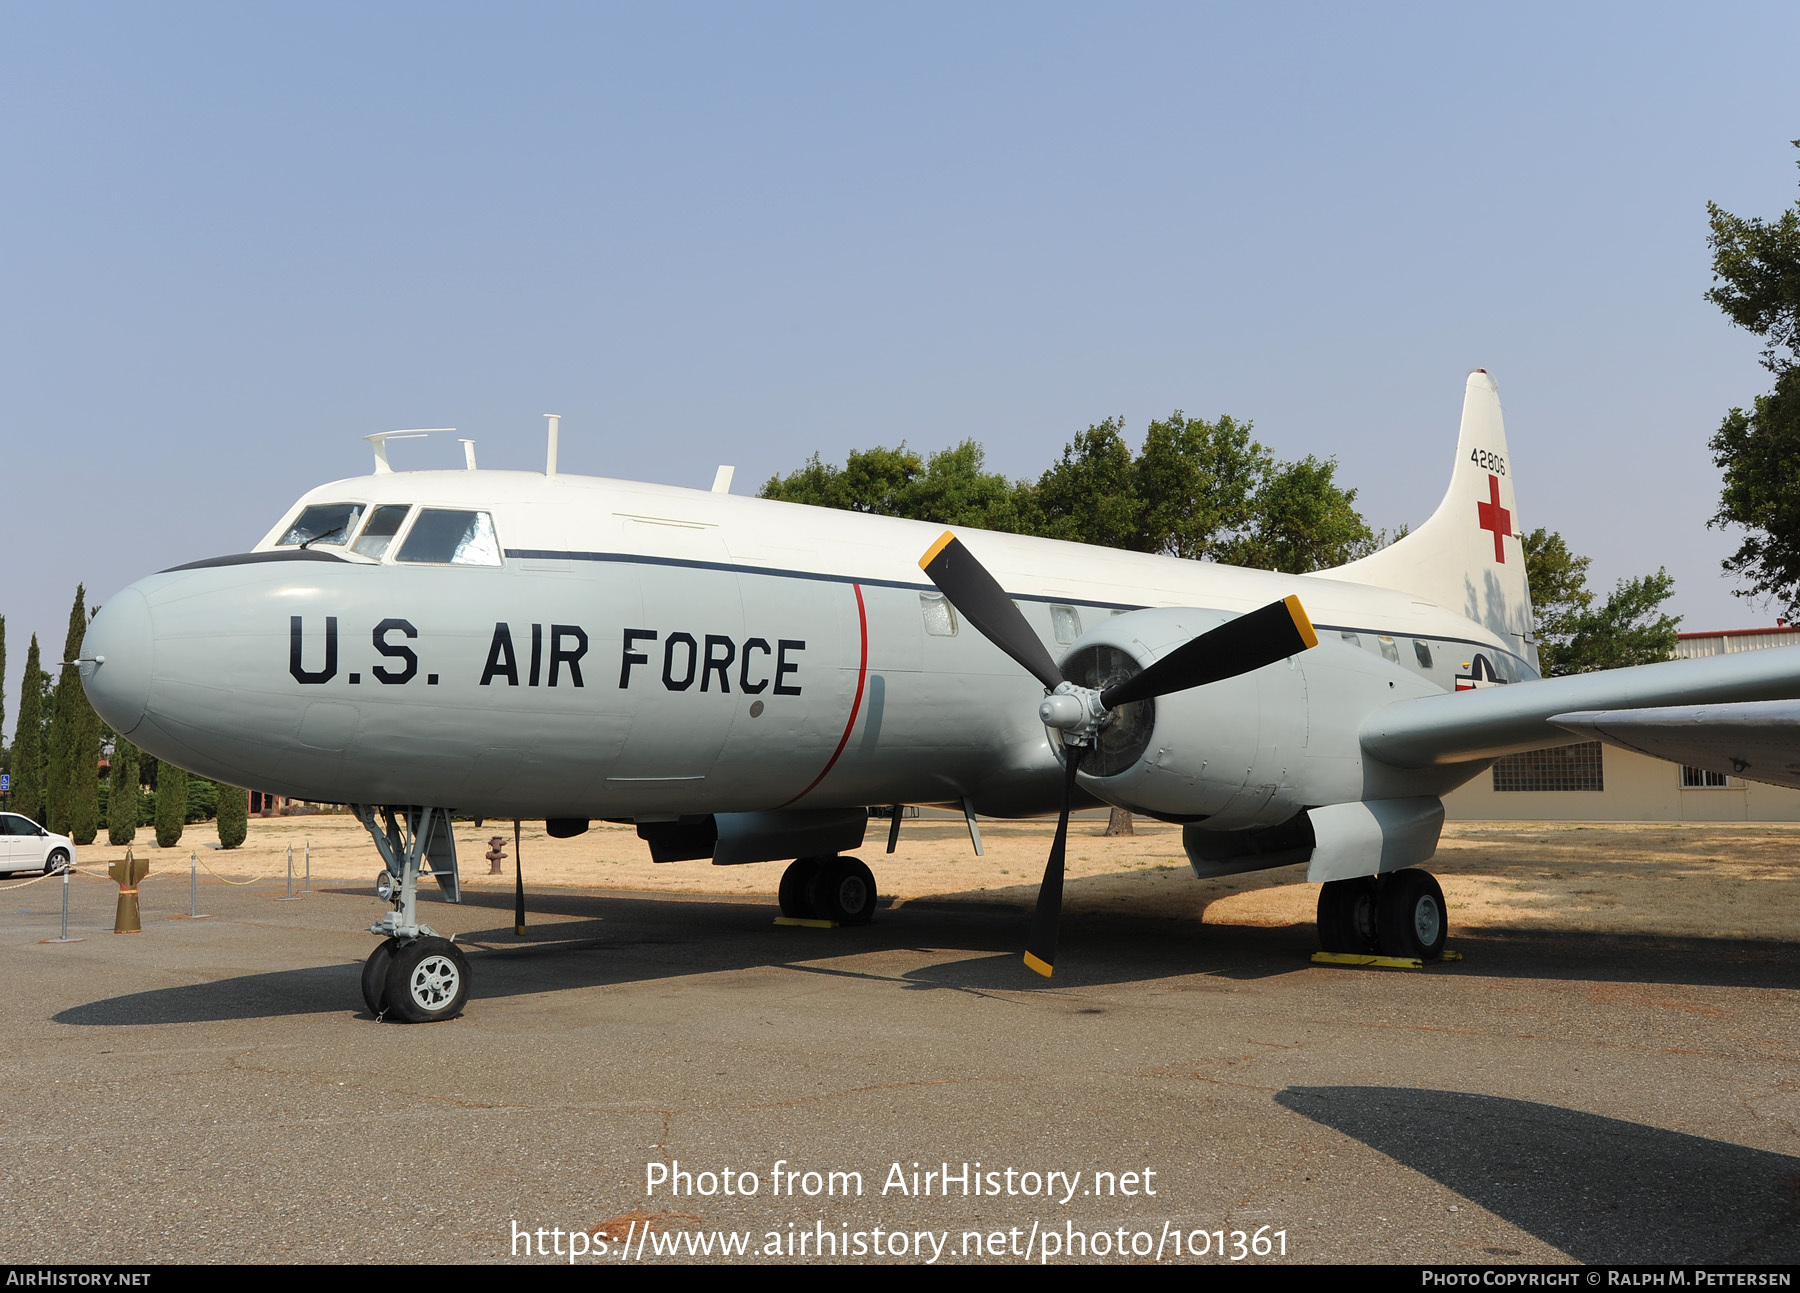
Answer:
(1263, 636)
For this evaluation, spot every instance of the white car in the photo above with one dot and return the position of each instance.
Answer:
(26, 846)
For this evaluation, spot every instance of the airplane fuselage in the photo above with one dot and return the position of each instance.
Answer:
(622, 650)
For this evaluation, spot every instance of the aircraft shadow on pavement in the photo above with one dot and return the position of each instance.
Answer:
(578, 940)
(1600, 1189)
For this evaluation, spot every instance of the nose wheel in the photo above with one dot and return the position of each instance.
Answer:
(419, 982)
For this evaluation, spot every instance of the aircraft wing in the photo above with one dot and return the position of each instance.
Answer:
(1758, 739)
(1458, 727)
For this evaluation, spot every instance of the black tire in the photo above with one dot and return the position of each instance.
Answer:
(796, 884)
(844, 891)
(1347, 916)
(374, 977)
(428, 981)
(1410, 915)
(58, 859)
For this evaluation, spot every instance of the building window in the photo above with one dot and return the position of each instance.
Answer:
(1701, 779)
(1567, 767)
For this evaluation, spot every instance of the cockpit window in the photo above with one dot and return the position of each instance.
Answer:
(442, 536)
(330, 523)
(384, 524)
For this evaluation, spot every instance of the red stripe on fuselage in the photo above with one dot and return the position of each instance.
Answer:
(862, 675)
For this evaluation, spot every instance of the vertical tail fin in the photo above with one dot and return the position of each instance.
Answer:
(1469, 556)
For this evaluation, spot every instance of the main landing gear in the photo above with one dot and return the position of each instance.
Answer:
(839, 889)
(414, 975)
(1401, 913)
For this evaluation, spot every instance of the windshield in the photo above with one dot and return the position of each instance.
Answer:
(329, 523)
(442, 536)
(384, 524)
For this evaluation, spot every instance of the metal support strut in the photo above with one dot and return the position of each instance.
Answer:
(411, 840)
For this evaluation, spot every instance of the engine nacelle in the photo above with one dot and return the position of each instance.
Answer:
(1248, 751)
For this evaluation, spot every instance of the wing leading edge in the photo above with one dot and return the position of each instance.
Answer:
(1759, 739)
(1460, 727)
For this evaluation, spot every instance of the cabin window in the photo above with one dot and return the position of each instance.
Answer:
(1066, 620)
(384, 524)
(1700, 779)
(940, 616)
(1352, 639)
(446, 537)
(328, 523)
(1423, 651)
(1389, 651)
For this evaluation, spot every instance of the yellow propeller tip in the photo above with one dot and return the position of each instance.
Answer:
(1302, 624)
(944, 540)
(1042, 967)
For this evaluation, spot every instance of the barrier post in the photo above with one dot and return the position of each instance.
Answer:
(291, 896)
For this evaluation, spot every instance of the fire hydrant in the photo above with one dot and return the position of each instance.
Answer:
(496, 854)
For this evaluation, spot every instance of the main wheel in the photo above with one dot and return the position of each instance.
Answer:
(58, 859)
(428, 981)
(1410, 916)
(796, 882)
(1347, 916)
(374, 977)
(844, 891)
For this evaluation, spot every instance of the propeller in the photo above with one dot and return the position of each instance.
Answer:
(1249, 642)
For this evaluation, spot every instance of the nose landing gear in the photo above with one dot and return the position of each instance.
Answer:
(413, 974)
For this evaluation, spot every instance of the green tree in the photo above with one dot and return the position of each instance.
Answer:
(28, 753)
(1303, 521)
(73, 804)
(1198, 481)
(171, 804)
(1756, 282)
(1574, 635)
(234, 816)
(952, 487)
(1091, 494)
(122, 794)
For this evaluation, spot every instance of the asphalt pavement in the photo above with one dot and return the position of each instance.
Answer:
(214, 1090)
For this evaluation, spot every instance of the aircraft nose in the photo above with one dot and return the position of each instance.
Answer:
(119, 642)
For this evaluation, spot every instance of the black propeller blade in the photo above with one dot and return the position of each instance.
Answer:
(1040, 949)
(1249, 642)
(979, 599)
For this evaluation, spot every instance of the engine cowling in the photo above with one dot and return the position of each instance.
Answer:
(1230, 753)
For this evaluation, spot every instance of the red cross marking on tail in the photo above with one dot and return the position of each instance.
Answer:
(1496, 518)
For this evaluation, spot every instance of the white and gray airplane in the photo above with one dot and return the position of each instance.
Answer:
(744, 679)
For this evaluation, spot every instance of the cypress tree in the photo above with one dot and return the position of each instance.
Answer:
(234, 815)
(66, 725)
(122, 794)
(171, 804)
(28, 741)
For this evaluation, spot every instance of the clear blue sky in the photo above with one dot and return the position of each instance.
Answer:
(237, 238)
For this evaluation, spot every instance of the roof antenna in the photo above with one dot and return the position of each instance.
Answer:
(555, 419)
(468, 452)
(380, 438)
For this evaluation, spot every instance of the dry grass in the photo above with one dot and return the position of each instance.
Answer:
(1730, 880)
